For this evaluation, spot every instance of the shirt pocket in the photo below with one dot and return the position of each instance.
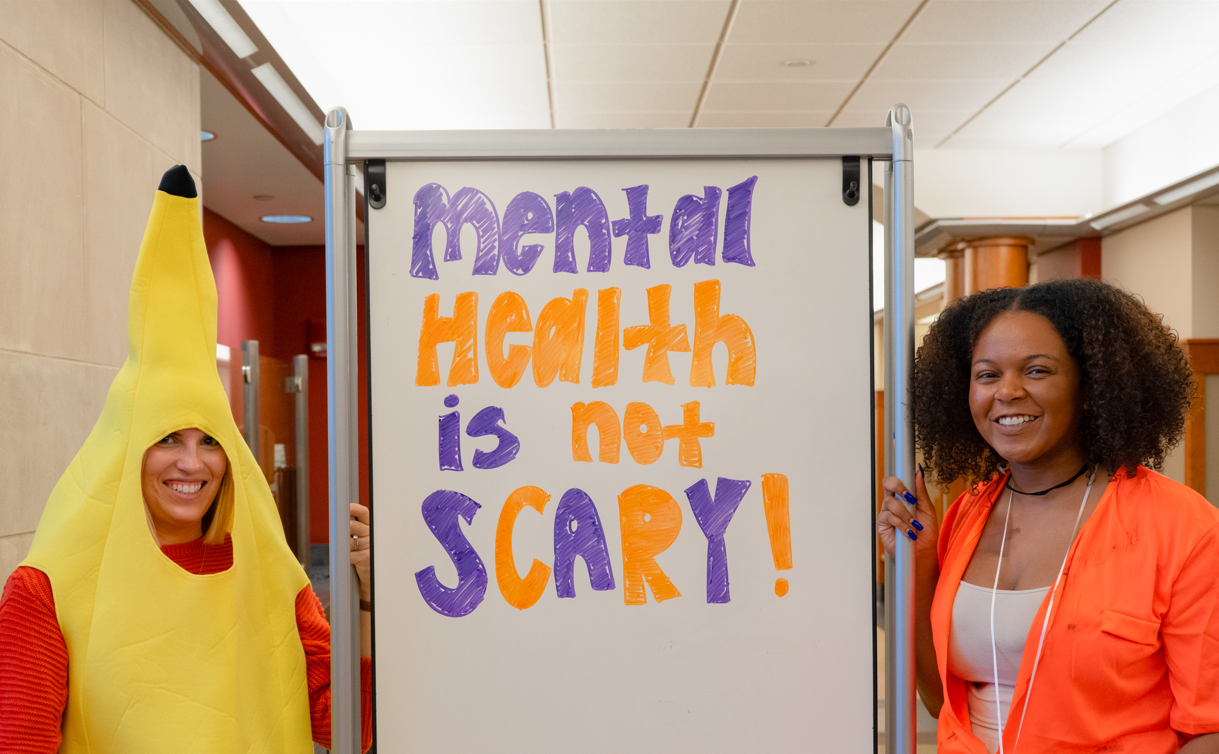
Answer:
(1131, 629)
(1131, 652)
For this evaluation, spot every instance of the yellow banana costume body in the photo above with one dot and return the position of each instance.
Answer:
(160, 659)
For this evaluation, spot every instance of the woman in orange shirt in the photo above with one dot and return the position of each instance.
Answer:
(1070, 600)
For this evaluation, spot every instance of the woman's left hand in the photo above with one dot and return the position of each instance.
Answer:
(361, 553)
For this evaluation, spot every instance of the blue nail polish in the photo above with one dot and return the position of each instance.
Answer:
(920, 468)
(916, 524)
(910, 498)
(912, 535)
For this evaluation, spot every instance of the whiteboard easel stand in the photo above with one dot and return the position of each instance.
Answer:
(343, 432)
(901, 705)
(345, 147)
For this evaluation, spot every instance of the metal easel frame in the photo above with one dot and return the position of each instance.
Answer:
(344, 148)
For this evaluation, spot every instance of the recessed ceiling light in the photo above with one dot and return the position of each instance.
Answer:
(206, 136)
(263, 197)
(286, 219)
(797, 63)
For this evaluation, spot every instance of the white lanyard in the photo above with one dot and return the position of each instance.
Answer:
(994, 652)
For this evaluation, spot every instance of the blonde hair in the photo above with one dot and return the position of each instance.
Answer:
(221, 511)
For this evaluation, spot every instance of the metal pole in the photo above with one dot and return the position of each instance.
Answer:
(300, 369)
(890, 470)
(899, 363)
(249, 392)
(341, 347)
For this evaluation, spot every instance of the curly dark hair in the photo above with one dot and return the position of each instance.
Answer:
(1136, 381)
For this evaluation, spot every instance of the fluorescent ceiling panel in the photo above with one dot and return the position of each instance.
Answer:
(225, 27)
(1120, 216)
(428, 64)
(1193, 187)
(288, 100)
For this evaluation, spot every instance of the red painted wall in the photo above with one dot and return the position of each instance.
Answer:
(300, 277)
(269, 294)
(242, 267)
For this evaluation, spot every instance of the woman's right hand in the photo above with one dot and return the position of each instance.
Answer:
(895, 518)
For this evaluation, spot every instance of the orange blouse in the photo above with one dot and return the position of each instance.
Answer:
(1131, 655)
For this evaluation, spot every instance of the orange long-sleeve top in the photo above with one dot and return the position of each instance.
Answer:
(34, 657)
(1131, 654)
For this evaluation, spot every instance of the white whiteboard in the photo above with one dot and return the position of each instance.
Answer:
(591, 673)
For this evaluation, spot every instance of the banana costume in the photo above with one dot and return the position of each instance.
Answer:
(160, 659)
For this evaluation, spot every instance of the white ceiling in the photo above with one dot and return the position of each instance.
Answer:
(975, 73)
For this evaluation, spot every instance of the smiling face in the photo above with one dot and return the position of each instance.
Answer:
(1024, 394)
(182, 474)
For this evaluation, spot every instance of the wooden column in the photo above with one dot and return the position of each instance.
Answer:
(993, 263)
(1204, 356)
(954, 276)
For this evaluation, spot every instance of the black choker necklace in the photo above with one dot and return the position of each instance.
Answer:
(1048, 490)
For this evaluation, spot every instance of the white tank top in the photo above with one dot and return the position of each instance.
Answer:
(969, 650)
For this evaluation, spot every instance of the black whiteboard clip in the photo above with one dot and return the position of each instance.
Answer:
(850, 181)
(374, 179)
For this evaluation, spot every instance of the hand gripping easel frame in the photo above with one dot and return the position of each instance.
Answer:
(345, 148)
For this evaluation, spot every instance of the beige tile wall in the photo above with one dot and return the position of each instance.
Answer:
(100, 102)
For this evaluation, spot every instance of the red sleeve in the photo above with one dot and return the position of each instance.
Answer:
(33, 665)
(315, 636)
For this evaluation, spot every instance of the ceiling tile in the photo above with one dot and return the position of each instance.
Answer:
(823, 21)
(764, 62)
(776, 96)
(637, 21)
(599, 96)
(926, 122)
(449, 21)
(466, 62)
(1026, 130)
(1102, 78)
(1138, 22)
(623, 120)
(620, 62)
(959, 62)
(1005, 22)
(925, 95)
(711, 119)
(1150, 106)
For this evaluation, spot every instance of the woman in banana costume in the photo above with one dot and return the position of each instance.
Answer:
(160, 608)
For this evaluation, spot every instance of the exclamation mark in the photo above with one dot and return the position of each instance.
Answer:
(778, 525)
